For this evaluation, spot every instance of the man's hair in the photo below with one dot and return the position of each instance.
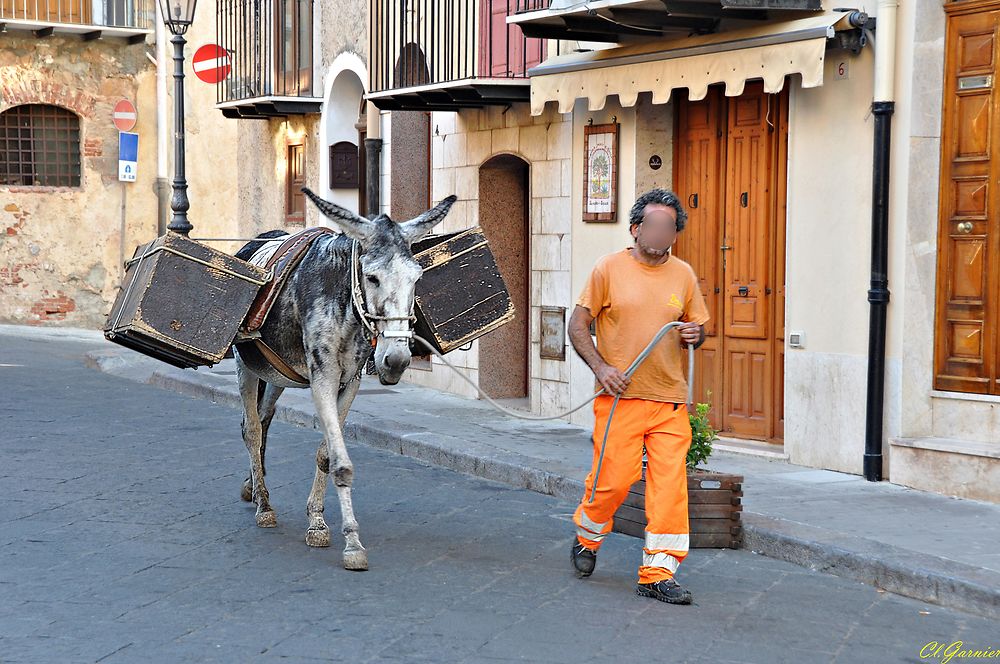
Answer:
(660, 197)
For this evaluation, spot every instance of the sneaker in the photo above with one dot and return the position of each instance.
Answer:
(584, 560)
(667, 590)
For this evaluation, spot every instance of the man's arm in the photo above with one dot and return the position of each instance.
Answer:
(613, 380)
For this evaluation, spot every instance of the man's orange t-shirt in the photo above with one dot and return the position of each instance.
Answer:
(630, 302)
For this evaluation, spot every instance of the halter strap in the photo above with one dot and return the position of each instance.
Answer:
(358, 300)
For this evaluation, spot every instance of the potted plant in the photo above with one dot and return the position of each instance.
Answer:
(714, 499)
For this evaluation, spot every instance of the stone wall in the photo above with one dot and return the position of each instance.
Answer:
(60, 246)
(461, 143)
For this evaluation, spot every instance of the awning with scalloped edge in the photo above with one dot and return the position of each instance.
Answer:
(770, 52)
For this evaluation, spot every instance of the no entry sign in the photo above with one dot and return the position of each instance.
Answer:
(124, 115)
(211, 63)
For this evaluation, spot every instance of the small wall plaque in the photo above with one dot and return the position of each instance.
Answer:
(553, 333)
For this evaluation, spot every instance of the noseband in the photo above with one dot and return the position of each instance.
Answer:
(368, 320)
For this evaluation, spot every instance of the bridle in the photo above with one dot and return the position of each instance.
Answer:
(368, 320)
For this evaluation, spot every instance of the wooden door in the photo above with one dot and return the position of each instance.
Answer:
(965, 345)
(746, 257)
(729, 166)
(295, 179)
(699, 174)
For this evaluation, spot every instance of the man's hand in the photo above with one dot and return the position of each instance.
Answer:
(690, 333)
(613, 380)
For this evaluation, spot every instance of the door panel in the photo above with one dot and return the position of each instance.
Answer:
(748, 216)
(967, 289)
(699, 171)
(729, 169)
(295, 177)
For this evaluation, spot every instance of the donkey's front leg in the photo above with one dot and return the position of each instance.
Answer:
(325, 389)
(252, 437)
(319, 533)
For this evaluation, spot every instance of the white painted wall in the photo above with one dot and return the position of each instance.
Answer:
(828, 246)
(344, 85)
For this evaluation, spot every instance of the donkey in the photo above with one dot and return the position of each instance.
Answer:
(317, 329)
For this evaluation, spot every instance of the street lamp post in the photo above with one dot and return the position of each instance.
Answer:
(177, 15)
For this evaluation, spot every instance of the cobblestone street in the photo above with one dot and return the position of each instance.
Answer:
(123, 539)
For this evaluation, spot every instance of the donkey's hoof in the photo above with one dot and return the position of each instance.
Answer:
(267, 519)
(318, 537)
(356, 559)
(246, 493)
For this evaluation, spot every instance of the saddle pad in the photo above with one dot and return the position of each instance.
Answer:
(263, 255)
(281, 255)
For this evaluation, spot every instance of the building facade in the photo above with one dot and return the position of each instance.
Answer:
(296, 102)
(837, 166)
(762, 120)
(67, 221)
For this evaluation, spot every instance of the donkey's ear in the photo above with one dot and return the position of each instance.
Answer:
(416, 228)
(352, 224)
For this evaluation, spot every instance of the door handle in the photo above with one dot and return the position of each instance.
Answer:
(693, 201)
(744, 291)
(744, 199)
(725, 247)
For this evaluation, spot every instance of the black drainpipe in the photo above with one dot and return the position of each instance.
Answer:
(878, 293)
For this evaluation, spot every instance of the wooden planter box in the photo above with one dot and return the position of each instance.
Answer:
(714, 507)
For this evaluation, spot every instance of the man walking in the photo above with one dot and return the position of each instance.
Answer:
(632, 294)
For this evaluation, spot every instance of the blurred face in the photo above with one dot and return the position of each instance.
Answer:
(658, 230)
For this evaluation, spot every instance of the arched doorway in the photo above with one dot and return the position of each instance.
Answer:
(503, 215)
(410, 143)
(342, 174)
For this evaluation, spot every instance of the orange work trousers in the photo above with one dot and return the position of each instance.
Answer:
(665, 431)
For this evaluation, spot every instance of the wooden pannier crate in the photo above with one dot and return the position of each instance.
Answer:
(182, 302)
(714, 507)
(461, 295)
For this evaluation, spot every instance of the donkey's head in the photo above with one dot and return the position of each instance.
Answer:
(388, 276)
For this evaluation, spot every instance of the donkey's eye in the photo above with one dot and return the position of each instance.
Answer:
(373, 280)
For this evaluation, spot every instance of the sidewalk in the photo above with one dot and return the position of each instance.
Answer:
(922, 545)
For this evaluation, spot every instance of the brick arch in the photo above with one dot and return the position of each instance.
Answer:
(16, 93)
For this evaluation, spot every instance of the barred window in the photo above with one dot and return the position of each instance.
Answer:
(39, 146)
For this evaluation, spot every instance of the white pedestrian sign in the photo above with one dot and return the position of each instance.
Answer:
(128, 155)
